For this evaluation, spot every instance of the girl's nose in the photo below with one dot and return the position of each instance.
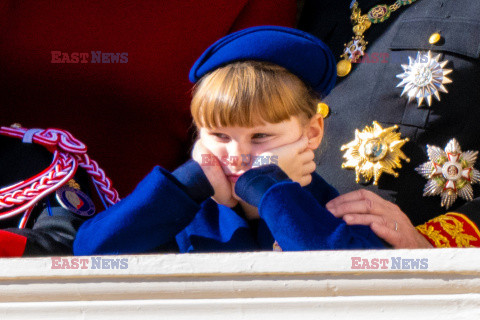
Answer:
(239, 153)
(235, 148)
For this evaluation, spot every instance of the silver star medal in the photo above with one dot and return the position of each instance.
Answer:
(450, 173)
(424, 77)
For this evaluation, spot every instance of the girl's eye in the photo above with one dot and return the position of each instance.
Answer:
(260, 136)
(220, 136)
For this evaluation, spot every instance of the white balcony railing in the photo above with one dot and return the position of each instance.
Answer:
(262, 285)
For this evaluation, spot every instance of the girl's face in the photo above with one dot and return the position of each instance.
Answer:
(236, 147)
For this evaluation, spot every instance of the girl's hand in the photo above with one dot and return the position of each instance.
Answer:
(385, 218)
(295, 159)
(215, 175)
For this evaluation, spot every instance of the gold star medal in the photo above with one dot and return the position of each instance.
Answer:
(450, 173)
(374, 151)
(424, 77)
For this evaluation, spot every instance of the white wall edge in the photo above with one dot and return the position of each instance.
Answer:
(244, 285)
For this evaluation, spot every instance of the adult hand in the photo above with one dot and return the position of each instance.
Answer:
(295, 159)
(215, 175)
(385, 219)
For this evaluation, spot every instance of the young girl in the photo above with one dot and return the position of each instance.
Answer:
(251, 184)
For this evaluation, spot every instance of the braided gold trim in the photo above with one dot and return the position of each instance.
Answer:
(451, 226)
(470, 222)
(430, 232)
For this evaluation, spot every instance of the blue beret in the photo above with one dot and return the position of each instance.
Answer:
(299, 52)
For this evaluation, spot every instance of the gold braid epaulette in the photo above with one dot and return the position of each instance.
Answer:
(451, 230)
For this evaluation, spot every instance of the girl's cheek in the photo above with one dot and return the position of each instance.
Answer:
(220, 152)
(262, 148)
(258, 149)
(215, 147)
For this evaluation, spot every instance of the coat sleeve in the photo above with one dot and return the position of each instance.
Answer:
(151, 216)
(296, 218)
(454, 229)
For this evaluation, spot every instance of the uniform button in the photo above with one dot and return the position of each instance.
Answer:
(343, 68)
(434, 38)
(323, 109)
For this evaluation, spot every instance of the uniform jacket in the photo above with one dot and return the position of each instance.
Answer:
(369, 93)
(161, 215)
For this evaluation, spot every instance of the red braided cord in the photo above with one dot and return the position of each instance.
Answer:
(56, 138)
(22, 184)
(68, 154)
(63, 170)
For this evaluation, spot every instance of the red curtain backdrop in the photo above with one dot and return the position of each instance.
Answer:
(131, 115)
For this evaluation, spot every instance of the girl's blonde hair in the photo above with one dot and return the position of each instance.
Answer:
(245, 94)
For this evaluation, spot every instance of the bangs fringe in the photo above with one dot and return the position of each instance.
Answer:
(247, 94)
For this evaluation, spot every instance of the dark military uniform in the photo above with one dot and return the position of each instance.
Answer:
(48, 232)
(369, 93)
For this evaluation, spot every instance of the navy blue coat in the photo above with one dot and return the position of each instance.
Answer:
(161, 215)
